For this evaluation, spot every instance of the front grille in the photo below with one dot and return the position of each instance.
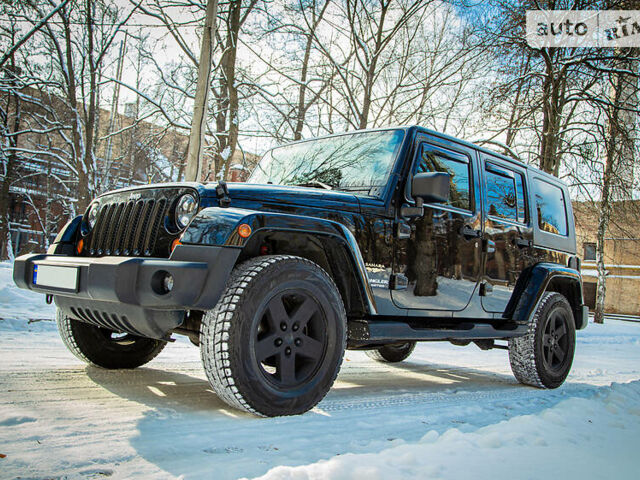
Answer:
(128, 228)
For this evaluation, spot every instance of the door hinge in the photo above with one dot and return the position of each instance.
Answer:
(398, 281)
(485, 289)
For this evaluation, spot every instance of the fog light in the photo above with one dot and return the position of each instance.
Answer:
(162, 282)
(167, 283)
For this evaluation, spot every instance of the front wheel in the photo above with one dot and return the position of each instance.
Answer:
(103, 348)
(543, 357)
(274, 343)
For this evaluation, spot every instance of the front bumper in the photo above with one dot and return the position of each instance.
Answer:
(126, 287)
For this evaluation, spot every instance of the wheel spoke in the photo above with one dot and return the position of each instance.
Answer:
(304, 312)
(556, 321)
(277, 313)
(311, 348)
(550, 356)
(561, 331)
(560, 354)
(546, 339)
(266, 348)
(287, 368)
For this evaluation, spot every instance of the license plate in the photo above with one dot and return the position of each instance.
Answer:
(63, 278)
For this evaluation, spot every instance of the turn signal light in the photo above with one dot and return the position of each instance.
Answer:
(80, 246)
(175, 243)
(244, 230)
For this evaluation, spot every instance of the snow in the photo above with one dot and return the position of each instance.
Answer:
(20, 305)
(447, 413)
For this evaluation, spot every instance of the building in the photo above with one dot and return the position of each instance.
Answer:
(42, 186)
(621, 254)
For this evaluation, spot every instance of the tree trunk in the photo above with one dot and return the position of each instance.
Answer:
(553, 103)
(229, 72)
(618, 175)
(194, 153)
(5, 198)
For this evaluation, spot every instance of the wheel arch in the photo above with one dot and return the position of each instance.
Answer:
(325, 242)
(541, 278)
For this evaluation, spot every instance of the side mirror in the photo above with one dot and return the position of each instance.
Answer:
(431, 187)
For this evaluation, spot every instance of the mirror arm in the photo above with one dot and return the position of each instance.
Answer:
(417, 211)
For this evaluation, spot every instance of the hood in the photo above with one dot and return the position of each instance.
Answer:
(286, 198)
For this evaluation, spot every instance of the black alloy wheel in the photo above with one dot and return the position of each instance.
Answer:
(274, 343)
(555, 341)
(543, 357)
(291, 338)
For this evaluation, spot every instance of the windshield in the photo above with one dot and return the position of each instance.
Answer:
(358, 162)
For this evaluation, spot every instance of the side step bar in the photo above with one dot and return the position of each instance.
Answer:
(378, 332)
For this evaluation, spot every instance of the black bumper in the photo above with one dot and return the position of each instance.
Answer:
(121, 292)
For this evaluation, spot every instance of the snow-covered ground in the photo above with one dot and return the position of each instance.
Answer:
(448, 412)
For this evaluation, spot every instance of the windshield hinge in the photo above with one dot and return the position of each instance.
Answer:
(222, 191)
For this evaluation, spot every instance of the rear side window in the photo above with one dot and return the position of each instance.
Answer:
(501, 196)
(550, 207)
(504, 194)
(458, 169)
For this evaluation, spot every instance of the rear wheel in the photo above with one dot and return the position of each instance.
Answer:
(274, 343)
(543, 357)
(393, 353)
(104, 348)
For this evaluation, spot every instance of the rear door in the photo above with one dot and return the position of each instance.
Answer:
(508, 231)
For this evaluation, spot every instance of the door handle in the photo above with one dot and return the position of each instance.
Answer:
(522, 242)
(468, 232)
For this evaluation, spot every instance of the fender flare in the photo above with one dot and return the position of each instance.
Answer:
(534, 281)
(66, 237)
(218, 226)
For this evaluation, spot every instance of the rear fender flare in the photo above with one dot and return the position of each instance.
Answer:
(538, 279)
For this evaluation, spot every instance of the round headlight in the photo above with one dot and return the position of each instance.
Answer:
(92, 216)
(185, 210)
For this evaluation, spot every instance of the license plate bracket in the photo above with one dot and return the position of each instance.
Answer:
(56, 277)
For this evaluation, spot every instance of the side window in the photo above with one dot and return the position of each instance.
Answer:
(500, 195)
(552, 215)
(458, 168)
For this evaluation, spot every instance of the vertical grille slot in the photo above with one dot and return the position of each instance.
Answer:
(116, 219)
(156, 218)
(118, 241)
(142, 227)
(130, 229)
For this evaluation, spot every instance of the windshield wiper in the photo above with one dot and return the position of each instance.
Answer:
(313, 183)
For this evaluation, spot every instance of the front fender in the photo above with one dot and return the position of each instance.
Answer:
(216, 226)
(535, 281)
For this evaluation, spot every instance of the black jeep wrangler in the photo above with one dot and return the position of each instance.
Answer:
(369, 240)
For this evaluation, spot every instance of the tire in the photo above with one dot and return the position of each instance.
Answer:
(392, 353)
(103, 348)
(543, 357)
(274, 343)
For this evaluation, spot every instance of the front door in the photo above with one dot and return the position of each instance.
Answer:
(438, 262)
(507, 231)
